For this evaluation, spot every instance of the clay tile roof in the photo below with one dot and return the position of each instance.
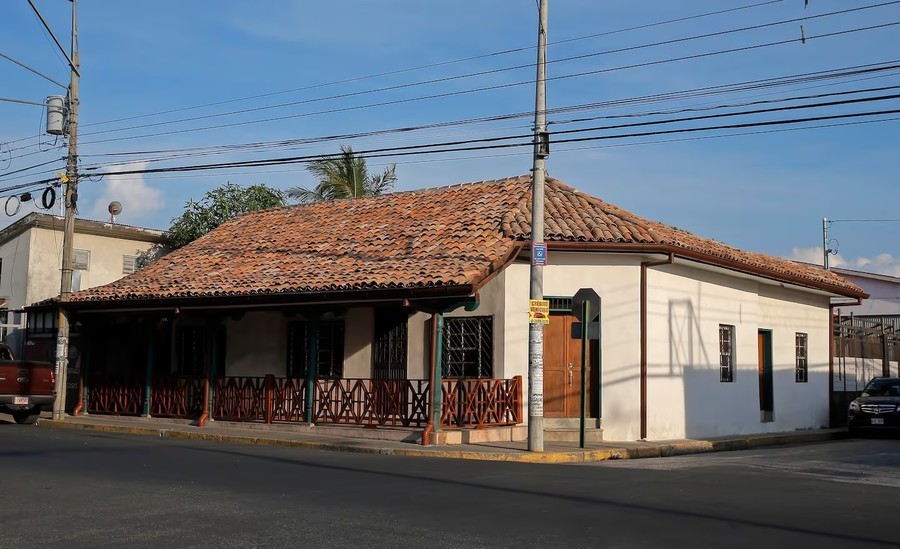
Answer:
(447, 236)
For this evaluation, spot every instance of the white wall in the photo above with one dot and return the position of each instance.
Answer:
(616, 279)
(256, 345)
(14, 279)
(46, 261)
(884, 296)
(359, 330)
(418, 350)
(686, 398)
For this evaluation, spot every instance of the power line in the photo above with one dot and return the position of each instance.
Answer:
(684, 119)
(484, 73)
(417, 149)
(495, 87)
(35, 71)
(439, 64)
(779, 81)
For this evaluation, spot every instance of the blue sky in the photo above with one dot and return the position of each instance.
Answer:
(766, 192)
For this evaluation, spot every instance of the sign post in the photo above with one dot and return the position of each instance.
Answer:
(586, 308)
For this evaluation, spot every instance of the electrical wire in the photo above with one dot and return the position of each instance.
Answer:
(497, 87)
(444, 80)
(440, 63)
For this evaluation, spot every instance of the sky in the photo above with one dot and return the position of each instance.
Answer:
(346, 67)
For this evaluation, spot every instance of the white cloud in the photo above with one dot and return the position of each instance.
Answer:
(882, 264)
(137, 198)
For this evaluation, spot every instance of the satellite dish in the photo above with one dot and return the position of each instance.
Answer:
(115, 208)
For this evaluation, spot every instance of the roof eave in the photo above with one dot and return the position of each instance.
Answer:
(710, 259)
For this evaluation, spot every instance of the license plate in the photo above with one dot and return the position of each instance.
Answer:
(20, 400)
(877, 421)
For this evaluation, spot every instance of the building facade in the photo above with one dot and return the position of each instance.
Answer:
(412, 309)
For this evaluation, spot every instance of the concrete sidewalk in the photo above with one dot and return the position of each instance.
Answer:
(557, 452)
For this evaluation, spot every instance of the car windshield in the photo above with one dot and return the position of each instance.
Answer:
(882, 388)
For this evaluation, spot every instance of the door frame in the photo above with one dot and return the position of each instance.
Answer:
(766, 375)
(563, 305)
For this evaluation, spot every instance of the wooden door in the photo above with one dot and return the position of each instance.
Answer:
(562, 370)
(766, 375)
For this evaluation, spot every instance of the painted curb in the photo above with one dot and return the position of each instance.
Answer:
(576, 456)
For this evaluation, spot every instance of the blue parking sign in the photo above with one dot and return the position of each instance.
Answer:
(539, 253)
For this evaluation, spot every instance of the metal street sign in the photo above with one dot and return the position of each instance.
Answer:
(539, 253)
(593, 330)
(590, 296)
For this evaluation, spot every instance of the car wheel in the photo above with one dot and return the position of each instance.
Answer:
(26, 417)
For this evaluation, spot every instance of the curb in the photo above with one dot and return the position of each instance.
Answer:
(576, 456)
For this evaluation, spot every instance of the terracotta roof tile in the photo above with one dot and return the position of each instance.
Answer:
(434, 237)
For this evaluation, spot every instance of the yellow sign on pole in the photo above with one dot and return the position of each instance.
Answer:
(538, 311)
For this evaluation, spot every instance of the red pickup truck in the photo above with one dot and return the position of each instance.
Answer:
(26, 387)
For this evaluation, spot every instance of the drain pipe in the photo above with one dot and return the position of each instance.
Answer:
(429, 427)
(644, 266)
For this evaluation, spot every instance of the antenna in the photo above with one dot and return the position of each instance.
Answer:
(115, 208)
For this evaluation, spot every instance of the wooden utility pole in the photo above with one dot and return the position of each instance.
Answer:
(71, 200)
(536, 290)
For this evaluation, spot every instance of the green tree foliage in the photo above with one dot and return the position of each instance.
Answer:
(216, 207)
(344, 176)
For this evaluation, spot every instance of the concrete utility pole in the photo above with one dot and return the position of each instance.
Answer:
(825, 250)
(536, 331)
(71, 199)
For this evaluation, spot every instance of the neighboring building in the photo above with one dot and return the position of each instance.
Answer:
(867, 336)
(883, 290)
(380, 299)
(31, 258)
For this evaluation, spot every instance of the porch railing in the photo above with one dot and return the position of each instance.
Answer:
(240, 399)
(369, 402)
(115, 394)
(176, 396)
(481, 402)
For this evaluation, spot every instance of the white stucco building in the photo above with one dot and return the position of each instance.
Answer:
(31, 258)
(367, 304)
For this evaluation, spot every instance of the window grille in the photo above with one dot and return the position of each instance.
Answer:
(802, 371)
(468, 347)
(329, 349)
(726, 353)
(129, 264)
(560, 304)
(81, 260)
(389, 360)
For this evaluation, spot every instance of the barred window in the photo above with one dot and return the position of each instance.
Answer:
(391, 344)
(329, 349)
(726, 353)
(468, 347)
(802, 371)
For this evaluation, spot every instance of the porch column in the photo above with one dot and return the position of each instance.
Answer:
(214, 362)
(438, 374)
(148, 374)
(312, 362)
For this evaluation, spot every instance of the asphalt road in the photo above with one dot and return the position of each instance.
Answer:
(80, 489)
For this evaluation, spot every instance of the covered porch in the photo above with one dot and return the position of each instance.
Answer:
(387, 364)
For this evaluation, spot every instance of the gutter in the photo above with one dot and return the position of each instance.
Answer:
(644, 265)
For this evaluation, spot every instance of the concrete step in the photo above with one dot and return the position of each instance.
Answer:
(572, 435)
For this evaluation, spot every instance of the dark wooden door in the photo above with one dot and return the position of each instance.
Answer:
(766, 381)
(562, 370)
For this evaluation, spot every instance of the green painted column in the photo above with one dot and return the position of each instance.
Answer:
(148, 375)
(312, 361)
(214, 362)
(438, 374)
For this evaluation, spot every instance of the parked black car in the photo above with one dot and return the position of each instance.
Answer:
(876, 407)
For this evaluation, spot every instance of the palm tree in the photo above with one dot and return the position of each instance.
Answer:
(344, 176)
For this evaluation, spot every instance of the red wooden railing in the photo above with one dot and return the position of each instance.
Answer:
(115, 394)
(371, 402)
(481, 402)
(240, 399)
(464, 402)
(176, 396)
